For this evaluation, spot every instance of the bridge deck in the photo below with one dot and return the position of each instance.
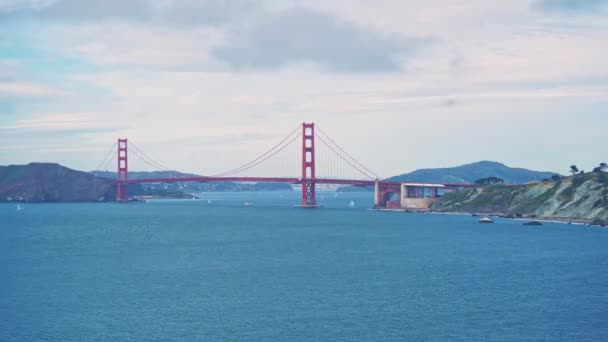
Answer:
(281, 180)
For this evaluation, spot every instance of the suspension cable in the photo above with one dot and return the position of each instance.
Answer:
(245, 166)
(261, 161)
(106, 157)
(107, 164)
(150, 161)
(346, 160)
(375, 175)
(142, 158)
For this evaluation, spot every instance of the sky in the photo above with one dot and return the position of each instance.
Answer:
(203, 86)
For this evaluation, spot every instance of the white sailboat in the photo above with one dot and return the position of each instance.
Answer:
(351, 204)
(19, 207)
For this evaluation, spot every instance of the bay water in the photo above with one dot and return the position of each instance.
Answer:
(216, 269)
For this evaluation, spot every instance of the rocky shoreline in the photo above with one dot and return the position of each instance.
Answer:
(579, 198)
(586, 222)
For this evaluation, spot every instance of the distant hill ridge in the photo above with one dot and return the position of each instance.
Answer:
(466, 174)
(43, 182)
(469, 173)
(206, 186)
(144, 174)
(51, 182)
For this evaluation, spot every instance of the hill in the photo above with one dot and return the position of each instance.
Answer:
(582, 196)
(469, 173)
(50, 182)
(466, 174)
(207, 186)
(144, 174)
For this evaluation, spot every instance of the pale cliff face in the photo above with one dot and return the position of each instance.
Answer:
(576, 199)
(579, 197)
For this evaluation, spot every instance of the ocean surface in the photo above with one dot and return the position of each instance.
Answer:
(217, 270)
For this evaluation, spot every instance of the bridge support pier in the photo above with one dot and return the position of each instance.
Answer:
(122, 190)
(376, 194)
(384, 194)
(309, 199)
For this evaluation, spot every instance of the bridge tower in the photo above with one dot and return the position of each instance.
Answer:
(308, 165)
(122, 192)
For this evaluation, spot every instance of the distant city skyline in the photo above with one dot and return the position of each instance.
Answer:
(203, 86)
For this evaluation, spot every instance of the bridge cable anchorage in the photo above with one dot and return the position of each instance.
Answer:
(249, 165)
(255, 161)
(145, 158)
(369, 172)
(103, 161)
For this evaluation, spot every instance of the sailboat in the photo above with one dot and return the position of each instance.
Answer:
(19, 208)
(351, 204)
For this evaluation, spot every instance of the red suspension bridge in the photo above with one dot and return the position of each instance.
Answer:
(307, 157)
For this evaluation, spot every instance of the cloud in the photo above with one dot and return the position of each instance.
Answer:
(10, 69)
(23, 89)
(300, 36)
(61, 123)
(132, 69)
(15, 6)
(571, 6)
(176, 12)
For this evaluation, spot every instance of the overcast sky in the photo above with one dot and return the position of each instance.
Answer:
(203, 86)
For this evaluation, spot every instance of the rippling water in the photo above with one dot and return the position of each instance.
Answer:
(199, 271)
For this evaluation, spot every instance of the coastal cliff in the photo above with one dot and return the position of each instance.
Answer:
(579, 197)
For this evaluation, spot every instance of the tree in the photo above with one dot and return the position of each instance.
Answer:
(489, 181)
(601, 168)
(573, 169)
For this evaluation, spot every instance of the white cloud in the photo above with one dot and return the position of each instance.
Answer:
(21, 89)
(500, 82)
(61, 122)
(301, 36)
(136, 46)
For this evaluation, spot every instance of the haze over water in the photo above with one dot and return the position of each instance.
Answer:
(199, 271)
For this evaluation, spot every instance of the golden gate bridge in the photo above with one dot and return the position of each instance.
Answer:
(307, 156)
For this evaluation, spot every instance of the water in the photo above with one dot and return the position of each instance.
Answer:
(222, 271)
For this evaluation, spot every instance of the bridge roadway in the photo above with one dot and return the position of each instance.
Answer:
(291, 180)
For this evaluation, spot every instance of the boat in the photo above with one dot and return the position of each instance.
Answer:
(485, 220)
(248, 204)
(19, 208)
(351, 204)
(533, 223)
(208, 201)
